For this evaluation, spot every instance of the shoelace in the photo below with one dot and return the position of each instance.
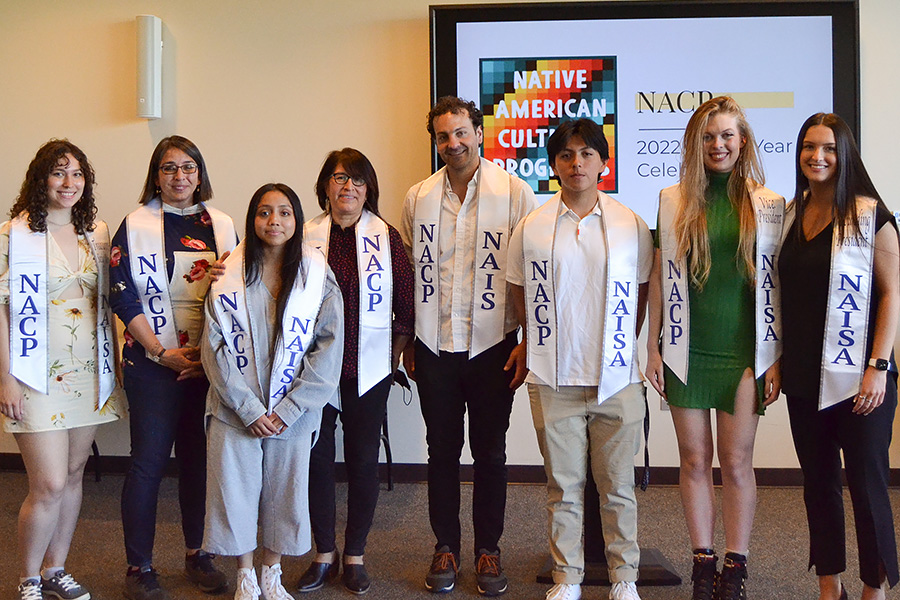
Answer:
(624, 590)
(272, 582)
(65, 581)
(561, 591)
(203, 562)
(148, 579)
(443, 561)
(488, 564)
(249, 587)
(30, 590)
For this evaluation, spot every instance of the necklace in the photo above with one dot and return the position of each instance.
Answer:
(69, 222)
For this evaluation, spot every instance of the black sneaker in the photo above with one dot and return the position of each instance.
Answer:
(731, 581)
(441, 576)
(200, 569)
(29, 590)
(143, 584)
(63, 586)
(489, 574)
(704, 576)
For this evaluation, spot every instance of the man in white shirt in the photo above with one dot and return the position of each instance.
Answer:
(456, 226)
(579, 267)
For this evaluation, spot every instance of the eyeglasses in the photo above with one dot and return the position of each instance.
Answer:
(172, 168)
(343, 178)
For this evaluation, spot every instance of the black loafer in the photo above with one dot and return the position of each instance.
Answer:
(317, 574)
(356, 579)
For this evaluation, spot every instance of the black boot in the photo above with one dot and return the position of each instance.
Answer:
(731, 581)
(704, 574)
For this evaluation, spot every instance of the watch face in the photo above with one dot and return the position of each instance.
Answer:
(881, 364)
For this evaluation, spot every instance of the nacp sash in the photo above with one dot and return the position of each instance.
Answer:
(768, 209)
(373, 264)
(849, 296)
(491, 240)
(29, 335)
(297, 326)
(620, 232)
(148, 263)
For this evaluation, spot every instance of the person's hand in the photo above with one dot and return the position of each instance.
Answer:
(263, 427)
(277, 423)
(518, 359)
(871, 392)
(184, 361)
(11, 397)
(772, 383)
(655, 372)
(409, 361)
(217, 269)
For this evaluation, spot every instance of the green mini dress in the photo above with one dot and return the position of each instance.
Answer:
(722, 323)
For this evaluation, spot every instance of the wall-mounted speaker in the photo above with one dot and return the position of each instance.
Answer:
(149, 67)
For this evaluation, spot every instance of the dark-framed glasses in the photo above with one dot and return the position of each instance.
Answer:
(172, 168)
(343, 178)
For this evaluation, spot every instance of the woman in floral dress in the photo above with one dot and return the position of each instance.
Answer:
(57, 385)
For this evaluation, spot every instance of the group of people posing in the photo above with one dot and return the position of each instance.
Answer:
(243, 354)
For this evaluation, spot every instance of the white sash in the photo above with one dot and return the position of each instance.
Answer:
(373, 256)
(491, 240)
(620, 231)
(768, 209)
(146, 242)
(28, 303)
(297, 326)
(846, 321)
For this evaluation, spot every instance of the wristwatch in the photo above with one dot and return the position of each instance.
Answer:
(158, 356)
(880, 364)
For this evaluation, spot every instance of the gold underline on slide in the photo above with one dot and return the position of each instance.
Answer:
(763, 99)
(745, 99)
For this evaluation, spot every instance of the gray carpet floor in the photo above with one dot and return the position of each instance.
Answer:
(400, 544)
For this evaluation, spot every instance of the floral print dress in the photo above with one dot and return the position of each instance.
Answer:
(72, 398)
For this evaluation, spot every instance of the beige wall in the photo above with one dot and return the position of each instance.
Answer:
(266, 90)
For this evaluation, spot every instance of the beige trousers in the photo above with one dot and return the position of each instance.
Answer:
(571, 427)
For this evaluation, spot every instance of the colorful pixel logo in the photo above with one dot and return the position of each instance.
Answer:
(525, 99)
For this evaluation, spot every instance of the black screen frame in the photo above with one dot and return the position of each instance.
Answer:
(845, 33)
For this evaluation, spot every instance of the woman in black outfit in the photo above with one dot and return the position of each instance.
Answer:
(839, 270)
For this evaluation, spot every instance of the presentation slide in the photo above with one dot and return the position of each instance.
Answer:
(642, 79)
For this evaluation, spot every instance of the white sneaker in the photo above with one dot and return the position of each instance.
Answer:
(246, 588)
(564, 591)
(271, 583)
(624, 590)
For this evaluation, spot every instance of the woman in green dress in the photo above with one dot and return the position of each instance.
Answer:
(714, 329)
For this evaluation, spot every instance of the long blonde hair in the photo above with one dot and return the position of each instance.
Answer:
(691, 232)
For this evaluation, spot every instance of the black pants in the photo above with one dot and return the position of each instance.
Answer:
(450, 385)
(819, 437)
(361, 419)
(163, 412)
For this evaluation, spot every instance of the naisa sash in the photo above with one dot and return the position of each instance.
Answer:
(297, 326)
(146, 242)
(768, 209)
(846, 320)
(28, 303)
(373, 264)
(620, 231)
(491, 240)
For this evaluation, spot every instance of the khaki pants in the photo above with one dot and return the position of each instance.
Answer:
(571, 426)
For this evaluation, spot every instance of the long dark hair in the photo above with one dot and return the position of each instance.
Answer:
(850, 179)
(357, 166)
(293, 249)
(33, 197)
(203, 193)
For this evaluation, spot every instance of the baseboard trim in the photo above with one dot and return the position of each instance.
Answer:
(416, 473)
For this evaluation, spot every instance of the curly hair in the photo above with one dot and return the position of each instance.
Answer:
(457, 106)
(33, 198)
